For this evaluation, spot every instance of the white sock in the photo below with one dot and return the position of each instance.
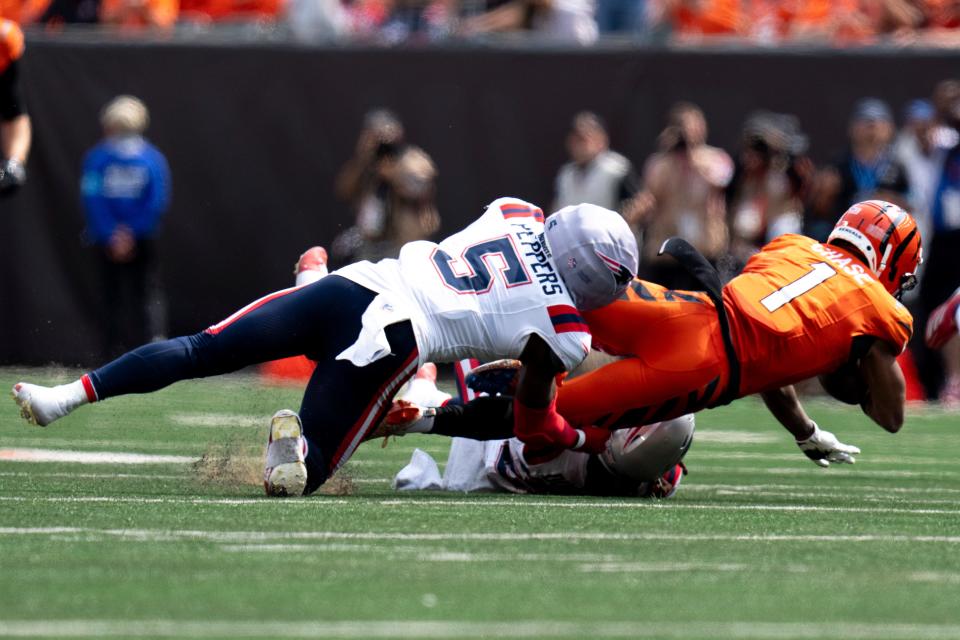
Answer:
(71, 395)
(424, 424)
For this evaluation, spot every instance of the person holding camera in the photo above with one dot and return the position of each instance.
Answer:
(683, 195)
(390, 185)
(15, 131)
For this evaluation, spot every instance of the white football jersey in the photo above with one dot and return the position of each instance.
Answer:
(506, 469)
(482, 292)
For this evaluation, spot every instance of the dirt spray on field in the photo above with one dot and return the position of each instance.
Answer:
(239, 465)
(230, 465)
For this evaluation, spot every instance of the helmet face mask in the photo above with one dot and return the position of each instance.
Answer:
(888, 240)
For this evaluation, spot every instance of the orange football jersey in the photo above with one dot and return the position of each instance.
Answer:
(798, 305)
(794, 313)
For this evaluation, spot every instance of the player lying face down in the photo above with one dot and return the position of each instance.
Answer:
(642, 462)
(799, 309)
(509, 285)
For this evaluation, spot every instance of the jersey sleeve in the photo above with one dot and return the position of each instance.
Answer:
(892, 323)
(571, 339)
(513, 208)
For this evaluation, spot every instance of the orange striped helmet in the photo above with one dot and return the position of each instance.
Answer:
(888, 239)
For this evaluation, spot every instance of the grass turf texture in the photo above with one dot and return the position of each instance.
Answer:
(758, 543)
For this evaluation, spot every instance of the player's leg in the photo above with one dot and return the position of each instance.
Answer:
(284, 323)
(634, 391)
(343, 403)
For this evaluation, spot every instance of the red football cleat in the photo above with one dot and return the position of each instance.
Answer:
(942, 324)
(401, 418)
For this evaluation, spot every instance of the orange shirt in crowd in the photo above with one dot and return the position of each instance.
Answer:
(11, 43)
(218, 10)
(794, 313)
(139, 13)
(708, 17)
(23, 11)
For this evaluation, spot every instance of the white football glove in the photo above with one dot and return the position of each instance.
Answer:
(823, 448)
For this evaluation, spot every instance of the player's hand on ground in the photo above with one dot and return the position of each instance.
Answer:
(823, 448)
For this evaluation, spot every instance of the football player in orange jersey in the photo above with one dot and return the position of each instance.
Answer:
(800, 308)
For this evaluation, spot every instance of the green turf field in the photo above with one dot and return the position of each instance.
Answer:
(758, 543)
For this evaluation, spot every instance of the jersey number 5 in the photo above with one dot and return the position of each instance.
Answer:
(473, 271)
(820, 273)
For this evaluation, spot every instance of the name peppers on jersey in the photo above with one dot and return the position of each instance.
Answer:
(535, 251)
(482, 292)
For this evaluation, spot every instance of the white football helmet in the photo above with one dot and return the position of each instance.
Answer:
(595, 252)
(646, 453)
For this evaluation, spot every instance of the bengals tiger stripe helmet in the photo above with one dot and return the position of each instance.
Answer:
(888, 239)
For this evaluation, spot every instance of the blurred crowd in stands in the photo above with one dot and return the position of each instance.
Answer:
(387, 22)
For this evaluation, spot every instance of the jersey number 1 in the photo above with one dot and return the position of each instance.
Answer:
(475, 261)
(820, 273)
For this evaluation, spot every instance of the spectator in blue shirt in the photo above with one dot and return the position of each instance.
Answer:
(126, 190)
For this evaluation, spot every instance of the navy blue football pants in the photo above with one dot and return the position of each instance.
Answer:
(342, 403)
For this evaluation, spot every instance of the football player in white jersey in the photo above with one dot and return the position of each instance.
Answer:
(640, 462)
(508, 286)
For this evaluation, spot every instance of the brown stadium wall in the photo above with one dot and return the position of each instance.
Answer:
(254, 135)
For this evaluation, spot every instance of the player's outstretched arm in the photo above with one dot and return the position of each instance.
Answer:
(536, 421)
(886, 389)
(820, 446)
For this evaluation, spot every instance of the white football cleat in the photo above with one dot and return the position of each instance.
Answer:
(284, 473)
(39, 405)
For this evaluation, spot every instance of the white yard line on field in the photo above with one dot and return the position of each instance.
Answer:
(249, 537)
(867, 459)
(232, 502)
(806, 470)
(88, 457)
(845, 490)
(94, 476)
(219, 419)
(483, 501)
(645, 504)
(939, 577)
(470, 629)
(70, 444)
(837, 495)
(732, 436)
(663, 567)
